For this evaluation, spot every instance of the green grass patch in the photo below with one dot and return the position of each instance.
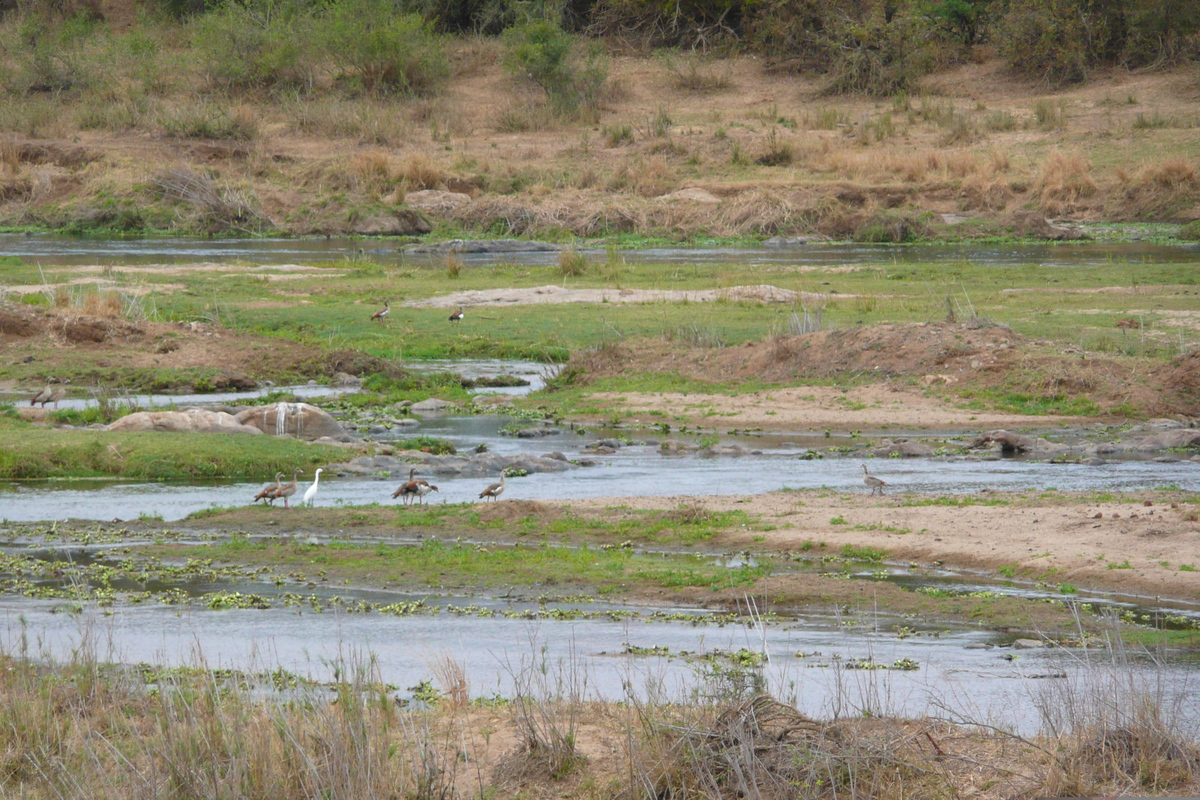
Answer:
(35, 453)
(857, 553)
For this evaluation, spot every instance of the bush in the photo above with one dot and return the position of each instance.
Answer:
(383, 49)
(694, 24)
(48, 53)
(880, 55)
(258, 43)
(1045, 40)
(544, 52)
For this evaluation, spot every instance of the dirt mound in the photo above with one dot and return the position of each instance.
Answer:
(883, 350)
(988, 360)
(510, 511)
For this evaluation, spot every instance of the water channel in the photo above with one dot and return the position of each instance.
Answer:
(959, 666)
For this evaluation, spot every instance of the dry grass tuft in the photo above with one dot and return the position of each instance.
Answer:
(1167, 190)
(219, 209)
(420, 171)
(1063, 180)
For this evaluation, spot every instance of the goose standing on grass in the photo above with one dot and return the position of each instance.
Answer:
(494, 491)
(312, 490)
(42, 397)
(288, 489)
(383, 312)
(876, 484)
(457, 315)
(268, 492)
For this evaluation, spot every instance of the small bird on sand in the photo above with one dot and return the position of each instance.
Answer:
(311, 492)
(383, 312)
(494, 491)
(876, 484)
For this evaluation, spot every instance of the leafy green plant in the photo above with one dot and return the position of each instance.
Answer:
(542, 51)
(258, 43)
(383, 50)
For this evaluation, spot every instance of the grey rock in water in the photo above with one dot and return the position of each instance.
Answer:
(792, 241)
(301, 420)
(902, 449)
(1028, 644)
(468, 465)
(433, 404)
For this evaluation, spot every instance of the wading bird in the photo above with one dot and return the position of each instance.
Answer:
(876, 484)
(407, 491)
(495, 490)
(383, 312)
(58, 394)
(268, 492)
(424, 488)
(288, 489)
(42, 397)
(312, 490)
(457, 315)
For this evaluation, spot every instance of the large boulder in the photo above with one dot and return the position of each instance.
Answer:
(297, 419)
(1177, 439)
(902, 449)
(433, 405)
(192, 420)
(472, 465)
(1009, 442)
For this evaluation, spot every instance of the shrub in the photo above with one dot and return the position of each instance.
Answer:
(257, 43)
(382, 49)
(1045, 40)
(544, 52)
(879, 55)
(48, 53)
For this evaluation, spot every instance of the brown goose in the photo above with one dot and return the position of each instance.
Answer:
(288, 489)
(424, 488)
(457, 315)
(57, 395)
(268, 492)
(494, 491)
(381, 313)
(42, 397)
(407, 491)
(876, 484)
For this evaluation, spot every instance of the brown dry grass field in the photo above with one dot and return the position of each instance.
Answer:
(764, 152)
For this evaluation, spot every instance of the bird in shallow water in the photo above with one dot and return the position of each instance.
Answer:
(412, 488)
(311, 492)
(876, 484)
(494, 491)
(268, 492)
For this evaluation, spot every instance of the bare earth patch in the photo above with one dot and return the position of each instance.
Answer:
(1058, 540)
(804, 408)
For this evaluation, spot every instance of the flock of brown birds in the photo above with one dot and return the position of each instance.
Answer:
(414, 488)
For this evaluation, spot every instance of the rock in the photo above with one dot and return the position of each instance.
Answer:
(465, 465)
(404, 222)
(672, 446)
(693, 195)
(1009, 442)
(403, 404)
(556, 455)
(1167, 440)
(612, 444)
(301, 420)
(486, 246)
(344, 380)
(377, 430)
(436, 201)
(434, 405)
(189, 421)
(1028, 644)
(599, 451)
(408, 422)
(902, 449)
(725, 450)
(534, 433)
(1032, 225)
(934, 380)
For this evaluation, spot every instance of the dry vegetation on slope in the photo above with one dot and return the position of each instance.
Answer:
(159, 143)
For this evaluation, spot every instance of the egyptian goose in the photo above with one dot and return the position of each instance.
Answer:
(312, 490)
(424, 488)
(381, 313)
(495, 490)
(407, 491)
(457, 315)
(57, 395)
(876, 484)
(268, 492)
(288, 489)
(42, 397)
